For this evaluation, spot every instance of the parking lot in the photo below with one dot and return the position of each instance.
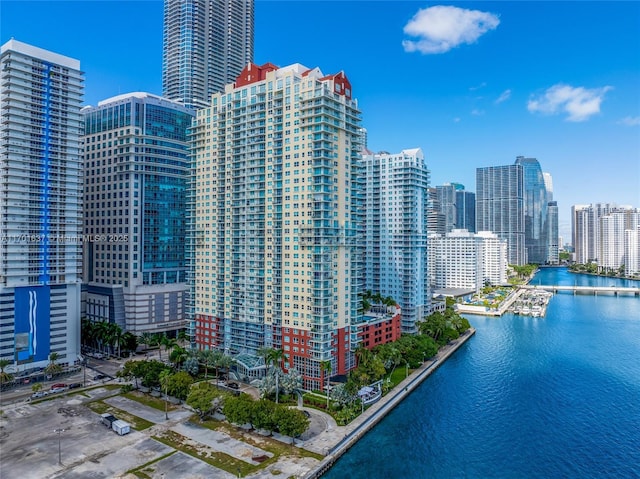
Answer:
(59, 437)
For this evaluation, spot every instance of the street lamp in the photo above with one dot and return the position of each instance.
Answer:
(58, 431)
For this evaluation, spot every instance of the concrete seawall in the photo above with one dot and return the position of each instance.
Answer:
(372, 416)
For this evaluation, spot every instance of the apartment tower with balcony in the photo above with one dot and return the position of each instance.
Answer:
(206, 44)
(40, 205)
(396, 200)
(275, 218)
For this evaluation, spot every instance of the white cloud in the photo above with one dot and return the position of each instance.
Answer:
(456, 119)
(477, 112)
(441, 28)
(577, 102)
(504, 96)
(474, 88)
(630, 121)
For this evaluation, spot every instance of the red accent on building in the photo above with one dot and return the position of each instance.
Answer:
(208, 331)
(382, 330)
(341, 346)
(341, 84)
(253, 73)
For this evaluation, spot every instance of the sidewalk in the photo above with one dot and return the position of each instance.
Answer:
(336, 440)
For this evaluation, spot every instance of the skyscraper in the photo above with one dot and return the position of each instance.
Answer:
(40, 205)
(535, 211)
(396, 231)
(206, 44)
(500, 207)
(275, 220)
(466, 210)
(136, 169)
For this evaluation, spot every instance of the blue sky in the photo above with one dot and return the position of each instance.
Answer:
(471, 83)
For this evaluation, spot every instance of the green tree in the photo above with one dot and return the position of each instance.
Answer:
(239, 409)
(208, 358)
(204, 398)
(4, 376)
(290, 422)
(146, 338)
(36, 387)
(178, 384)
(178, 356)
(263, 415)
(53, 367)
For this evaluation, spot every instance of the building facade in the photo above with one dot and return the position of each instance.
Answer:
(500, 207)
(465, 260)
(396, 201)
(136, 170)
(536, 200)
(40, 205)
(466, 210)
(275, 219)
(206, 44)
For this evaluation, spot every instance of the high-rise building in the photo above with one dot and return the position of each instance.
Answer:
(436, 219)
(446, 195)
(396, 231)
(466, 210)
(40, 205)
(553, 238)
(206, 44)
(275, 242)
(136, 170)
(535, 210)
(500, 207)
(585, 226)
(465, 260)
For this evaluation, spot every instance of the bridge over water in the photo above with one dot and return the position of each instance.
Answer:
(595, 290)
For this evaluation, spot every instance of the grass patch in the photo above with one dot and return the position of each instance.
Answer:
(146, 470)
(397, 376)
(136, 422)
(206, 454)
(147, 400)
(268, 444)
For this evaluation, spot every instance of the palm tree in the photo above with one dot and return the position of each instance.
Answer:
(3, 375)
(168, 343)
(223, 362)
(52, 367)
(207, 357)
(363, 355)
(178, 356)
(182, 338)
(164, 382)
(275, 357)
(146, 338)
(325, 366)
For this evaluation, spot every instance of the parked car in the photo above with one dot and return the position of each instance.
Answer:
(75, 385)
(39, 394)
(59, 387)
(98, 377)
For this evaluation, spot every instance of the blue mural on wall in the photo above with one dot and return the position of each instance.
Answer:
(32, 323)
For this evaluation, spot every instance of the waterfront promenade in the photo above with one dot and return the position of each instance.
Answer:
(336, 440)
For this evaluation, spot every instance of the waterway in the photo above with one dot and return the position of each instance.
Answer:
(552, 397)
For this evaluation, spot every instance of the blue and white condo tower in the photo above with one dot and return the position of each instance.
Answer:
(40, 205)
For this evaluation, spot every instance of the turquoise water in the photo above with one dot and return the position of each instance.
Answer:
(553, 397)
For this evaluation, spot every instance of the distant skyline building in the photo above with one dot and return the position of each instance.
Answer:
(136, 170)
(436, 219)
(396, 200)
(206, 44)
(535, 210)
(500, 207)
(606, 234)
(464, 260)
(275, 242)
(466, 210)
(40, 205)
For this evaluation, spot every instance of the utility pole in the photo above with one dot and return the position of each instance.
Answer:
(58, 431)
